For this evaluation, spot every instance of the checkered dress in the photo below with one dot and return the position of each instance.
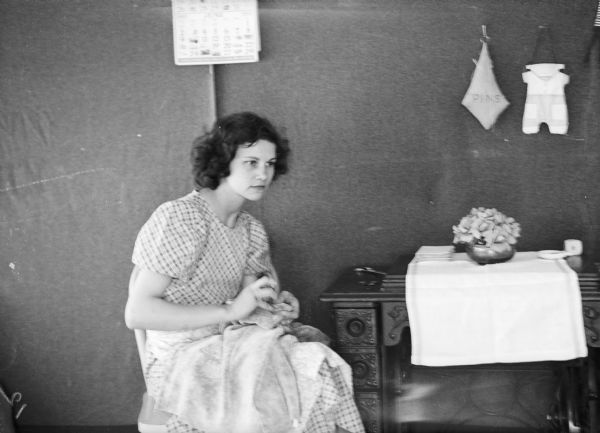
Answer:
(207, 260)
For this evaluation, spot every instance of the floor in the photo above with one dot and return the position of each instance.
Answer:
(433, 428)
(77, 429)
(133, 429)
(416, 428)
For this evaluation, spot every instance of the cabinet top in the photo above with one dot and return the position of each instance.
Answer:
(354, 285)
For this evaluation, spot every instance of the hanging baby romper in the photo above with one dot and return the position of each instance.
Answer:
(546, 101)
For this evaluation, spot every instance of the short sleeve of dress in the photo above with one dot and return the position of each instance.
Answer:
(259, 255)
(169, 243)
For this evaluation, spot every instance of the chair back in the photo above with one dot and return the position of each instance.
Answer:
(140, 340)
(150, 419)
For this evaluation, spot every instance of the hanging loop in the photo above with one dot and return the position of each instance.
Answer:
(485, 38)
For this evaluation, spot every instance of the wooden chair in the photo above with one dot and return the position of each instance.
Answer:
(150, 419)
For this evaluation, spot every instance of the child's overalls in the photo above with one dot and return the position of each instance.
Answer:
(546, 101)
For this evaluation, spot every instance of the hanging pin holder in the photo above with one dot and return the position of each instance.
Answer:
(483, 98)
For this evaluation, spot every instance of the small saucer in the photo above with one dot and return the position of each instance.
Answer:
(552, 254)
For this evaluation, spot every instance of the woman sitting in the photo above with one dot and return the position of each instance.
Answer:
(223, 352)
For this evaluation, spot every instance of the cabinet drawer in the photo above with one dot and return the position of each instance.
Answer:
(355, 327)
(369, 406)
(365, 367)
(591, 322)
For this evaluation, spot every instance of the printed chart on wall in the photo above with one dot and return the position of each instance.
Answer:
(207, 32)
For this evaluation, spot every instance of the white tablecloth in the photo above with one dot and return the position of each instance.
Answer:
(461, 313)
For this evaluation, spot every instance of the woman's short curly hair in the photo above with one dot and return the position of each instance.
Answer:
(213, 151)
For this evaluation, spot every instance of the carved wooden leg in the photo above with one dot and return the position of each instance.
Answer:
(592, 377)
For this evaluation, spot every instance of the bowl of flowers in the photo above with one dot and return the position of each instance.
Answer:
(488, 235)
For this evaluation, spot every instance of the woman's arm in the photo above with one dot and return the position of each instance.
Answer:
(145, 308)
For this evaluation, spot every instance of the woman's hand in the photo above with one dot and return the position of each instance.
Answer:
(287, 307)
(260, 293)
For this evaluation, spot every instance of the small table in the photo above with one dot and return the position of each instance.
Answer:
(370, 316)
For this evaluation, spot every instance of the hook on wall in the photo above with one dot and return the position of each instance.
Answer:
(484, 38)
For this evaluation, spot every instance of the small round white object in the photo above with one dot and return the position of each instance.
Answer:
(573, 247)
(552, 254)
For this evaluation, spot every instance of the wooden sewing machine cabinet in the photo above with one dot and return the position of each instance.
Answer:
(373, 336)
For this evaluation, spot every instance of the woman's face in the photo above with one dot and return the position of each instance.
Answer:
(252, 170)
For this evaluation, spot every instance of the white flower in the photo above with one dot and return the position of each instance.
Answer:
(486, 226)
